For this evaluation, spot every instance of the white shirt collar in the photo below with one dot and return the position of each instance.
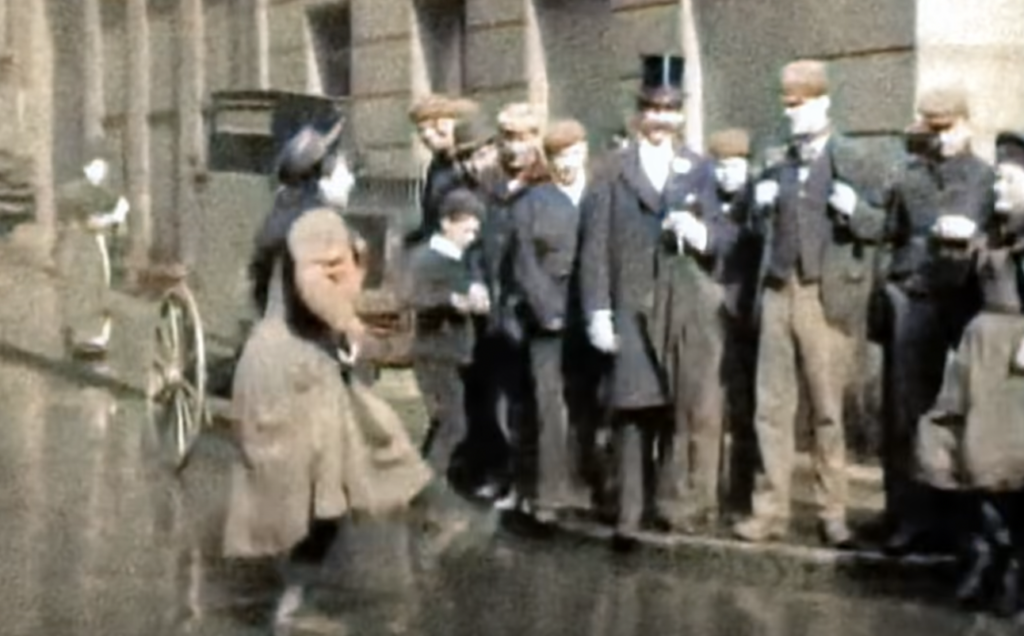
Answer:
(574, 190)
(665, 148)
(444, 246)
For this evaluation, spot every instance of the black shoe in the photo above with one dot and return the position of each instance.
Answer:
(906, 540)
(970, 589)
(1008, 600)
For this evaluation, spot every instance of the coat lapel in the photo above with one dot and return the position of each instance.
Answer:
(634, 175)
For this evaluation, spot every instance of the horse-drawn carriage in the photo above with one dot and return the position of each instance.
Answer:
(189, 384)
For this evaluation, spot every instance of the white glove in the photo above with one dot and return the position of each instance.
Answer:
(1018, 358)
(479, 299)
(601, 331)
(843, 199)
(120, 212)
(955, 227)
(766, 192)
(688, 229)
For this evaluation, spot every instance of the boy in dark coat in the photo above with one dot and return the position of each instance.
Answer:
(441, 293)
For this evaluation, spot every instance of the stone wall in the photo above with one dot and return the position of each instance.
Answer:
(870, 45)
(981, 46)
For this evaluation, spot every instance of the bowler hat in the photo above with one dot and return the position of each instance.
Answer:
(304, 152)
(1010, 147)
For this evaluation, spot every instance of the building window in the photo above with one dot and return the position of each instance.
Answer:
(443, 33)
(331, 27)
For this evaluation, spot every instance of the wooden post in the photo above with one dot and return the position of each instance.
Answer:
(137, 136)
(191, 159)
(93, 110)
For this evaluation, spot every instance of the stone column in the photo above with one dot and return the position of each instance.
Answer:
(979, 45)
(32, 77)
(93, 110)
(261, 44)
(693, 83)
(137, 134)
(191, 156)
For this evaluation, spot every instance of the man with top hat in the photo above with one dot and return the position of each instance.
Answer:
(702, 313)
(941, 196)
(971, 441)
(819, 216)
(545, 230)
(435, 118)
(653, 177)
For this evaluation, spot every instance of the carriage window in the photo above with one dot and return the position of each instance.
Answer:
(331, 27)
(443, 35)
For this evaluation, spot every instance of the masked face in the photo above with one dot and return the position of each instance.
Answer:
(438, 135)
(808, 117)
(955, 139)
(484, 159)
(658, 125)
(517, 150)
(461, 230)
(732, 174)
(96, 171)
(336, 187)
(567, 165)
(1009, 189)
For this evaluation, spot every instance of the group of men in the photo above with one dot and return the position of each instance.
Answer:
(683, 306)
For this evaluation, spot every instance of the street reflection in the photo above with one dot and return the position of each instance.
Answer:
(97, 537)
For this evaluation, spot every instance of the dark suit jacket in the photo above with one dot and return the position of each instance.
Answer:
(621, 241)
(545, 226)
(443, 176)
(921, 192)
(441, 332)
(848, 257)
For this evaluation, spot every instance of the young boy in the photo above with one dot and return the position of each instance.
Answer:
(443, 297)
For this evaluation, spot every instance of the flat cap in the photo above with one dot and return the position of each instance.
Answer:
(435, 106)
(316, 231)
(519, 117)
(1010, 147)
(562, 134)
(803, 79)
(472, 132)
(732, 142)
(943, 104)
(462, 201)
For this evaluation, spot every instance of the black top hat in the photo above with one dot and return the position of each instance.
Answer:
(662, 81)
(1010, 147)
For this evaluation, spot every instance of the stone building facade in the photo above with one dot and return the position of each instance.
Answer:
(142, 72)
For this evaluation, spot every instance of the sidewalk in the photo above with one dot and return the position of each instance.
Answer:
(30, 334)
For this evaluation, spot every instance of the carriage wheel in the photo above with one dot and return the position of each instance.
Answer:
(177, 379)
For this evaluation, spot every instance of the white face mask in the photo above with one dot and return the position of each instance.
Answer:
(954, 140)
(1009, 188)
(732, 174)
(96, 171)
(336, 187)
(809, 118)
(568, 164)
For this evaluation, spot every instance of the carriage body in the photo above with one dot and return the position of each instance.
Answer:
(205, 312)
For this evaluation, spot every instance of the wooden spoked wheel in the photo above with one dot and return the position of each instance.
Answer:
(177, 377)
